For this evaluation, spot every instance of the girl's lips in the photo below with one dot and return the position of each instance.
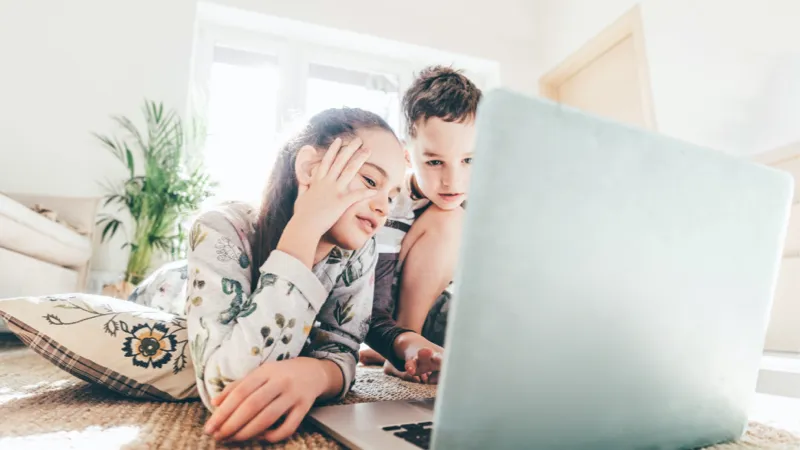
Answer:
(451, 197)
(367, 224)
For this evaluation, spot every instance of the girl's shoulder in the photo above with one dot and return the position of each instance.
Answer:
(230, 210)
(229, 218)
(365, 256)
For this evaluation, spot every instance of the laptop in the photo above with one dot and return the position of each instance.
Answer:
(613, 292)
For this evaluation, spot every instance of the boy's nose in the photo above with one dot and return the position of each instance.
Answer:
(450, 178)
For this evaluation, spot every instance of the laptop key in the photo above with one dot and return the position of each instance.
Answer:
(418, 434)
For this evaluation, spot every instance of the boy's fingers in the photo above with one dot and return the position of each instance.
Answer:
(411, 366)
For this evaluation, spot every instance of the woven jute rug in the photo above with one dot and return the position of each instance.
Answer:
(42, 407)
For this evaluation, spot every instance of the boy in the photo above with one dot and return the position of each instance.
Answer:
(416, 263)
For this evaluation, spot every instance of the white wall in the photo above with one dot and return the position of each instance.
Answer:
(67, 66)
(722, 72)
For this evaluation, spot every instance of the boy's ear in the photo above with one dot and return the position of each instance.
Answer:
(306, 164)
(408, 157)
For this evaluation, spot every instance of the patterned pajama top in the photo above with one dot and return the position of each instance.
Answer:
(322, 312)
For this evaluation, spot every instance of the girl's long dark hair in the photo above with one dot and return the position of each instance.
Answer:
(280, 193)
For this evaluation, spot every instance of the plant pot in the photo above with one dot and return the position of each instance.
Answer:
(120, 289)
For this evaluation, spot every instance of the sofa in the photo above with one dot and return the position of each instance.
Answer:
(45, 252)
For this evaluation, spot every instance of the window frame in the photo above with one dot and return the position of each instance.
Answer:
(294, 56)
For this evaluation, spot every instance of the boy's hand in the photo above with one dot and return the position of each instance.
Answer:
(423, 359)
(270, 402)
(425, 363)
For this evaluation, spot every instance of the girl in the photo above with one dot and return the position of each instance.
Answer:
(278, 300)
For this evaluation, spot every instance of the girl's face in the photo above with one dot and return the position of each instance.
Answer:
(383, 172)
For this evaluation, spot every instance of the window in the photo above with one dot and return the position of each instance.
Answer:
(253, 94)
(255, 74)
(333, 87)
(242, 122)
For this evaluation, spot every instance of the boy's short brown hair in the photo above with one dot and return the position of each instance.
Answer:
(441, 92)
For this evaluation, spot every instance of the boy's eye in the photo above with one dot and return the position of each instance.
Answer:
(468, 160)
(434, 162)
(369, 181)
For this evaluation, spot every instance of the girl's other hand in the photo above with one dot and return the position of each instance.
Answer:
(323, 197)
(322, 201)
(253, 406)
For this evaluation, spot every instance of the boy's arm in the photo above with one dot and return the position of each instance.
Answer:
(383, 330)
(429, 253)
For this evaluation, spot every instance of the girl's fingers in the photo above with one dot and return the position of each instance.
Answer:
(352, 167)
(248, 411)
(328, 158)
(358, 195)
(216, 401)
(342, 158)
(265, 418)
(289, 426)
(234, 400)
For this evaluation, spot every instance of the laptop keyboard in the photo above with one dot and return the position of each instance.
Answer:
(418, 434)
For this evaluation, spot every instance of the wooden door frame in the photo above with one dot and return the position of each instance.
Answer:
(628, 25)
(779, 155)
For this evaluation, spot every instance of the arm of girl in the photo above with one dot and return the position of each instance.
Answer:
(288, 389)
(231, 330)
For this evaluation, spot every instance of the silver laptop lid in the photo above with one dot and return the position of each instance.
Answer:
(614, 286)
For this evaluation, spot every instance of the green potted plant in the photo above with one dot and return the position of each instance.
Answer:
(160, 197)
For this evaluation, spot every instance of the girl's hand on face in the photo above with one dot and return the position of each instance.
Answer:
(252, 406)
(323, 201)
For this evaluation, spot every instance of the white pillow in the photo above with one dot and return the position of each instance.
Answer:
(129, 348)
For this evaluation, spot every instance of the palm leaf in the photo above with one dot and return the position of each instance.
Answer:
(162, 196)
(128, 126)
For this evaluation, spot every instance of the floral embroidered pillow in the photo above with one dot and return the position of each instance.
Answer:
(129, 348)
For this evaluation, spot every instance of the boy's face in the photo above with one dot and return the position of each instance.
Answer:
(441, 156)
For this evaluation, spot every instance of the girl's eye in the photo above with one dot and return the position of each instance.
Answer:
(391, 200)
(434, 162)
(370, 182)
(468, 160)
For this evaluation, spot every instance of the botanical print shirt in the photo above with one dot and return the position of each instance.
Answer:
(321, 312)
